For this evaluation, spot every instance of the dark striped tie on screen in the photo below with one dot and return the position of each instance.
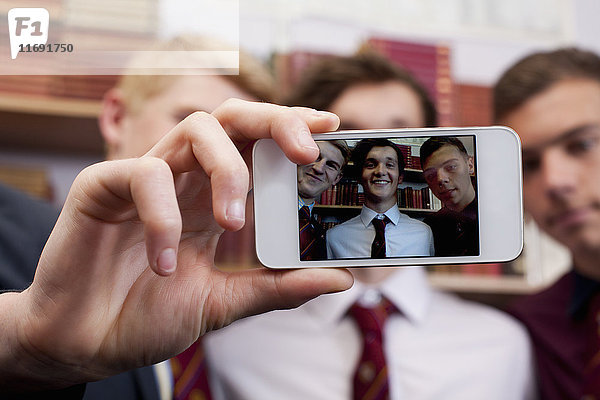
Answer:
(378, 245)
(190, 374)
(371, 375)
(307, 234)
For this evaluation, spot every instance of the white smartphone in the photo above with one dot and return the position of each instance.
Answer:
(391, 198)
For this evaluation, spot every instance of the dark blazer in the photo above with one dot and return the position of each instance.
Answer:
(25, 224)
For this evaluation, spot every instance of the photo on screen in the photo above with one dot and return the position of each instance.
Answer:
(389, 198)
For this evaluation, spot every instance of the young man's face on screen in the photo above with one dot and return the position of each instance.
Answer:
(448, 171)
(381, 175)
(560, 134)
(317, 177)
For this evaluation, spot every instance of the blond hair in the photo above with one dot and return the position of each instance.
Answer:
(253, 77)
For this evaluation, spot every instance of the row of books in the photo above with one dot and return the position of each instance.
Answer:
(139, 16)
(412, 161)
(348, 194)
(495, 269)
(342, 194)
(423, 199)
(86, 25)
(431, 66)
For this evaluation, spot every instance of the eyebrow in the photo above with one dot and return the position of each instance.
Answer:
(563, 137)
(335, 162)
(444, 163)
(386, 159)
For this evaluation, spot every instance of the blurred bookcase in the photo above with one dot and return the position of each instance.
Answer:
(58, 113)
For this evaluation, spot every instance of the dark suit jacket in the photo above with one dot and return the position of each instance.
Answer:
(559, 320)
(25, 225)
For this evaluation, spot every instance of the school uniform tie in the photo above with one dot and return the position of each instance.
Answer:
(307, 234)
(190, 374)
(371, 374)
(378, 245)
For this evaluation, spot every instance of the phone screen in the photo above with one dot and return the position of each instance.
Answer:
(389, 198)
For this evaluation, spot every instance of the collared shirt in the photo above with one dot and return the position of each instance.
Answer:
(438, 347)
(404, 236)
(558, 321)
(301, 204)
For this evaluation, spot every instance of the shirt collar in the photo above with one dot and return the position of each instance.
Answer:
(367, 215)
(407, 288)
(584, 289)
(301, 204)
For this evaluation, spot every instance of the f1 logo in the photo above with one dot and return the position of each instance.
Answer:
(27, 26)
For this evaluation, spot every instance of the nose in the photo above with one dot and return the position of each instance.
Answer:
(319, 166)
(380, 169)
(558, 173)
(442, 176)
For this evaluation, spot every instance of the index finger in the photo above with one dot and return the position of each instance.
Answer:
(290, 127)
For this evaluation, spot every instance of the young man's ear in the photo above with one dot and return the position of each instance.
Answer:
(111, 120)
(471, 164)
(337, 179)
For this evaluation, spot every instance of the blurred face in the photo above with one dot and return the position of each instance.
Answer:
(380, 178)
(560, 133)
(317, 177)
(378, 106)
(448, 173)
(142, 130)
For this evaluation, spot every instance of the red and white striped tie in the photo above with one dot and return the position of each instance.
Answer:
(190, 374)
(371, 376)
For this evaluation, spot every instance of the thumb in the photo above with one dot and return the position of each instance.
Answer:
(261, 290)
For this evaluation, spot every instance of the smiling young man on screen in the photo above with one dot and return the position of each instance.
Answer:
(380, 230)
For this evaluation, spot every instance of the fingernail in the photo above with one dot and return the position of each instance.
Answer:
(167, 260)
(236, 210)
(306, 141)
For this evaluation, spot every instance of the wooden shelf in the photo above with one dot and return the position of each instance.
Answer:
(335, 207)
(50, 106)
(54, 125)
(498, 284)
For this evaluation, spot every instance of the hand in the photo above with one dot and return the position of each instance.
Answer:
(127, 277)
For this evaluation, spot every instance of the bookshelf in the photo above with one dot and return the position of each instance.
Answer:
(50, 125)
(344, 200)
(43, 106)
(54, 106)
(463, 283)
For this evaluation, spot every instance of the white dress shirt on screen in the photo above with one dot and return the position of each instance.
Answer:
(438, 347)
(404, 236)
